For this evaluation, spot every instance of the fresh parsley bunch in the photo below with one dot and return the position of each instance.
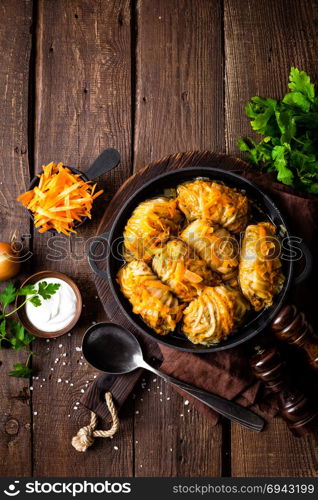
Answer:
(290, 127)
(12, 333)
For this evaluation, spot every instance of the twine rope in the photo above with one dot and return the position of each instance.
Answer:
(87, 434)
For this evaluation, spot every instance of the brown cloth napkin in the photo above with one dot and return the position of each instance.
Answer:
(226, 373)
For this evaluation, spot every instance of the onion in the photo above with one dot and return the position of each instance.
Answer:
(9, 261)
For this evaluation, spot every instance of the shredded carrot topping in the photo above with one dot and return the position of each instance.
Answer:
(60, 200)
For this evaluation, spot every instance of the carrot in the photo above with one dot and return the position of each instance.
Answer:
(60, 199)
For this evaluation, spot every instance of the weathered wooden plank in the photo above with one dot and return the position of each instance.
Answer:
(263, 39)
(15, 43)
(179, 107)
(273, 453)
(83, 105)
(179, 102)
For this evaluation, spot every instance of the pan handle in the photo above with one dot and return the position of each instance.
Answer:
(105, 162)
(102, 238)
(307, 257)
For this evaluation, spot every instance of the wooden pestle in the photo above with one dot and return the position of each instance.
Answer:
(294, 406)
(291, 326)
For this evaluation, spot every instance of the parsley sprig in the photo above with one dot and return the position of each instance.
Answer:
(12, 333)
(290, 128)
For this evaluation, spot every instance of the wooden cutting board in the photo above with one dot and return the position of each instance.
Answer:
(121, 387)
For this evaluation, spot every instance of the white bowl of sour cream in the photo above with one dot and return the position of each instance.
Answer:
(56, 315)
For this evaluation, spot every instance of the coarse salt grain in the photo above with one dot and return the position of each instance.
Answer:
(137, 412)
(78, 349)
(116, 448)
(82, 390)
(59, 380)
(47, 340)
(60, 345)
(35, 413)
(186, 402)
(64, 355)
(31, 388)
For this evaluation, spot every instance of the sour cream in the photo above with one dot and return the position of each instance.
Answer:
(55, 313)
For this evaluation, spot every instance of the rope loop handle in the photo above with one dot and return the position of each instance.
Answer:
(86, 435)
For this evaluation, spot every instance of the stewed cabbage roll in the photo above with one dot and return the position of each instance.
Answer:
(150, 298)
(219, 204)
(214, 314)
(150, 226)
(260, 273)
(215, 245)
(180, 268)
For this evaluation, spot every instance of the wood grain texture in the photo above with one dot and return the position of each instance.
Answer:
(263, 39)
(15, 43)
(179, 107)
(82, 106)
(180, 81)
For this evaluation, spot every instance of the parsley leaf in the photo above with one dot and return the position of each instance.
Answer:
(290, 129)
(300, 82)
(35, 300)
(27, 290)
(11, 331)
(8, 295)
(46, 290)
(20, 371)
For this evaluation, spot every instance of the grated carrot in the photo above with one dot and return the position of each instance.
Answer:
(60, 199)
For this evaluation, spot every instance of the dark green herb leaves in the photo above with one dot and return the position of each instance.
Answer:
(8, 295)
(20, 371)
(46, 290)
(290, 129)
(11, 331)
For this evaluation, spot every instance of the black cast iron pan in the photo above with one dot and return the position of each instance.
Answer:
(263, 210)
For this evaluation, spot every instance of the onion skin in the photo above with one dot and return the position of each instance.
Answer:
(9, 264)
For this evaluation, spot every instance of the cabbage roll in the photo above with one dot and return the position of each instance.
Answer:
(150, 298)
(260, 273)
(150, 226)
(185, 273)
(213, 244)
(214, 314)
(219, 204)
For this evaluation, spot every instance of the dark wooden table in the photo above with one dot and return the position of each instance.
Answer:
(150, 78)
